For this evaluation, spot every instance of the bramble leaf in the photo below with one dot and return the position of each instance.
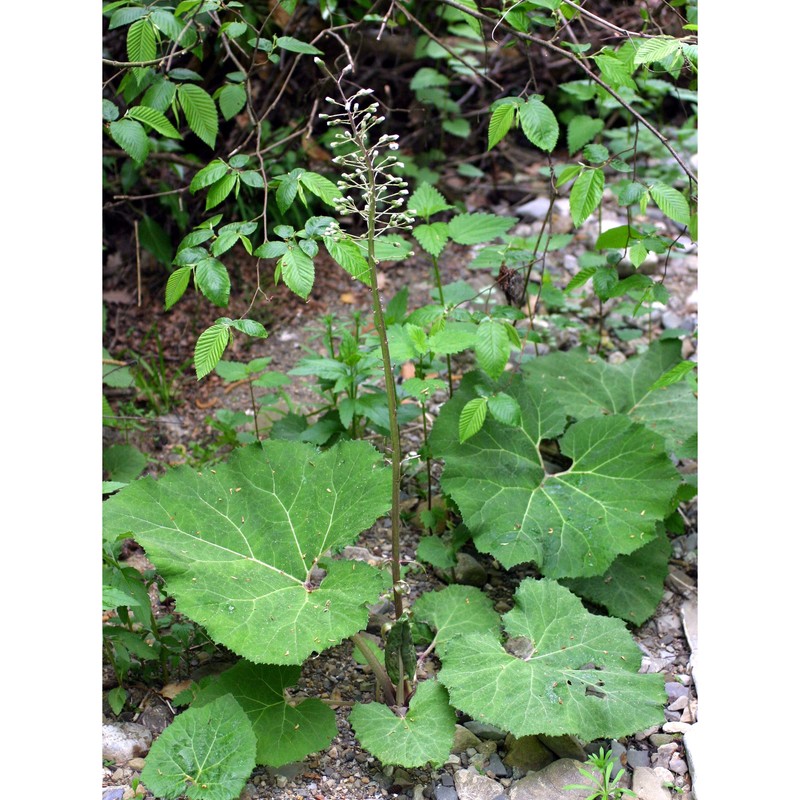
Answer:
(424, 735)
(554, 690)
(433, 237)
(427, 201)
(239, 545)
(206, 753)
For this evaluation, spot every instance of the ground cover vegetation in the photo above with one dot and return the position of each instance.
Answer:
(290, 132)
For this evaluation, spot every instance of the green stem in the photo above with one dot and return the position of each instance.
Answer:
(255, 408)
(438, 278)
(378, 669)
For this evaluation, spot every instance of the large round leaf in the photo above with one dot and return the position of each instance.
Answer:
(237, 543)
(578, 673)
(572, 523)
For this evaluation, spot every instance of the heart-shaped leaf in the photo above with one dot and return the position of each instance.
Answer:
(205, 754)
(579, 672)
(284, 733)
(424, 734)
(238, 544)
(457, 610)
(572, 523)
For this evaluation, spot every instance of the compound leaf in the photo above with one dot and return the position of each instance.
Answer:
(427, 201)
(284, 732)
(433, 237)
(580, 675)
(424, 735)
(207, 753)
(572, 523)
(239, 545)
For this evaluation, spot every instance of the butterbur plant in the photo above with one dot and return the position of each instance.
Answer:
(250, 549)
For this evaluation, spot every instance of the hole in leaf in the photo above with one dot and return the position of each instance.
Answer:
(553, 459)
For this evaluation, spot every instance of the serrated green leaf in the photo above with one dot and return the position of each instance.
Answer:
(123, 462)
(471, 419)
(658, 48)
(125, 16)
(432, 238)
(671, 202)
(206, 753)
(539, 124)
(572, 523)
(453, 337)
(297, 271)
(457, 610)
(390, 247)
(296, 46)
(580, 279)
(633, 586)
(252, 178)
(286, 193)
(210, 346)
(426, 201)
(478, 227)
(166, 23)
(141, 41)
(604, 281)
(177, 283)
(325, 189)
(423, 736)
(553, 693)
(492, 347)
(234, 29)
(586, 385)
(585, 195)
(284, 733)
(427, 78)
(457, 127)
(232, 99)
(595, 153)
(505, 409)
(209, 175)
(131, 137)
(250, 327)
(155, 119)
(200, 111)
(213, 281)
(568, 173)
(581, 129)
(637, 253)
(422, 389)
(616, 238)
(221, 189)
(674, 375)
(500, 122)
(237, 546)
(224, 242)
(110, 111)
(271, 250)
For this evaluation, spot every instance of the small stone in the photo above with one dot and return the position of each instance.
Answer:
(419, 792)
(657, 739)
(527, 753)
(648, 785)
(678, 765)
(675, 727)
(471, 786)
(564, 746)
(114, 793)
(464, 739)
(469, 572)
(669, 319)
(483, 730)
(281, 781)
(638, 758)
(679, 704)
(123, 741)
(357, 553)
(136, 763)
(496, 766)
(616, 357)
(549, 783)
(675, 690)
(445, 793)
(535, 209)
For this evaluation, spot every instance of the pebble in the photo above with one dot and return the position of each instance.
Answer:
(445, 793)
(483, 730)
(534, 209)
(638, 758)
(136, 763)
(527, 753)
(472, 786)
(468, 571)
(675, 691)
(463, 740)
(678, 765)
(123, 741)
(497, 766)
(549, 783)
(675, 727)
(564, 746)
(114, 793)
(648, 785)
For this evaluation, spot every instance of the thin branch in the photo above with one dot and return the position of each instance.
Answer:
(153, 62)
(604, 23)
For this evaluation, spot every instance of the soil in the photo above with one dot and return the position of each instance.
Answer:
(180, 430)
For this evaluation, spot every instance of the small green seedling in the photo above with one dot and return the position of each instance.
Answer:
(605, 787)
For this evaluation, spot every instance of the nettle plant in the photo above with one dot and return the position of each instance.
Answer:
(571, 470)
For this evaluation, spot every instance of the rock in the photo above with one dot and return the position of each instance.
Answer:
(669, 319)
(664, 754)
(675, 691)
(527, 753)
(445, 793)
(616, 357)
(657, 739)
(114, 793)
(677, 765)
(619, 752)
(463, 739)
(469, 572)
(549, 783)
(123, 741)
(419, 792)
(156, 717)
(535, 209)
(691, 301)
(648, 786)
(136, 763)
(357, 554)
(564, 746)
(483, 730)
(638, 758)
(497, 766)
(471, 786)
(675, 727)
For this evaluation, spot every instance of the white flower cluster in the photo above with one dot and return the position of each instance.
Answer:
(366, 183)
